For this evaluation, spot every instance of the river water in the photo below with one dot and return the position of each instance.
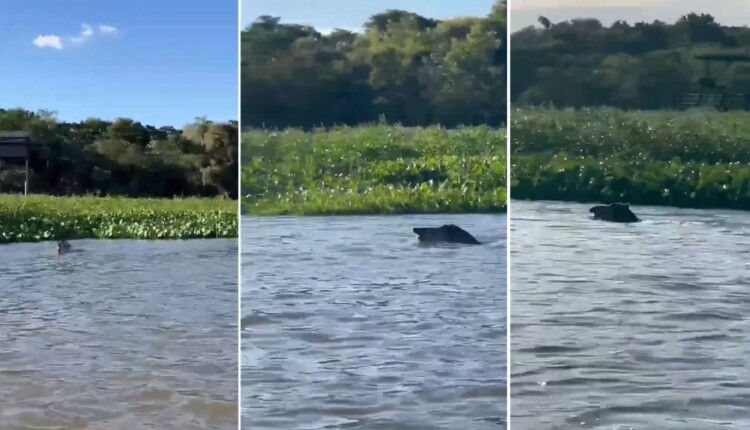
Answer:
(629, 326)
(348, 323)
(121, 335)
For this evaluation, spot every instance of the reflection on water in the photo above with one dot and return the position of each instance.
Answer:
(629, 326)
(348, 323)
(122, 335)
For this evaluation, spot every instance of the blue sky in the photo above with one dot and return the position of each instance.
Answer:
(159, 62)
(728, 12)
(326, 15)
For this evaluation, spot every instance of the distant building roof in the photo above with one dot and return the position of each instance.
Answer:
(14, 134)
(10, 137)
(724, 57)
(14, 144)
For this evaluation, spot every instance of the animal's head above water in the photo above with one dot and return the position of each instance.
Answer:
(448, 233)
(615, 212)
(63, 246)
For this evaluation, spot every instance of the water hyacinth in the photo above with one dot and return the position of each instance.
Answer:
(698, 159)
(373, 170)
(37, 218)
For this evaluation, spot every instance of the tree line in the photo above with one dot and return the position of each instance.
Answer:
(401, 68)
(631, 66)
(122, 157)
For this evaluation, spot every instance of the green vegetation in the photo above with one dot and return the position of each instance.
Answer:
(122, 158)
(407, 68)
(697, 159)
(119, 158)
(326, 90)
(640, 66)
(373, 169)
(36, 218)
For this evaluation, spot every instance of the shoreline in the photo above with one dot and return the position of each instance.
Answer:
(591, 202)
(503, 211)
(38, 218)
(693, 159)
(374, 170)
(692, 185)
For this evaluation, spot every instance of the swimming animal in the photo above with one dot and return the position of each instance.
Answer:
(615, 212)
(63, 247)
(448, 233)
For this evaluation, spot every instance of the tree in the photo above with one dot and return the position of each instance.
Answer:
(546, 23)
(403, 67)
(641, 66)
(123, 157)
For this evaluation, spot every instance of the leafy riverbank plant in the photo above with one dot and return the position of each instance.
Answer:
(37, 218)
(698, 159)
(373, 170)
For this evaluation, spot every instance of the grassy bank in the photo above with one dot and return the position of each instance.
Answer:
(696, 159)
(36, 218)
(373, 170)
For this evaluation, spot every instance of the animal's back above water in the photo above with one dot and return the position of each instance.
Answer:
(448, 233)
(615, 212)
(63, 247)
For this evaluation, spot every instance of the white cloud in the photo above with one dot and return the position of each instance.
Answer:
(107, 29)
(86, 34)
(86, 30)
(48, 41)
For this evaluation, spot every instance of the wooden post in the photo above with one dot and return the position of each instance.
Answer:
(26, 183)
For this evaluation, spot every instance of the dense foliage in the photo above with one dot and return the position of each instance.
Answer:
(639, 66)
(402, 67)
(689, 159)
(36, 218)
(373, 169)
(123, 157)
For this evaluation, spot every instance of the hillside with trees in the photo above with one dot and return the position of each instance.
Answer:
(631, 66)
(122, 157)
(402, 68)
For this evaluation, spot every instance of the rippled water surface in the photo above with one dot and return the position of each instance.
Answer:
(121, 335)
(630, 326)
(348, 323)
